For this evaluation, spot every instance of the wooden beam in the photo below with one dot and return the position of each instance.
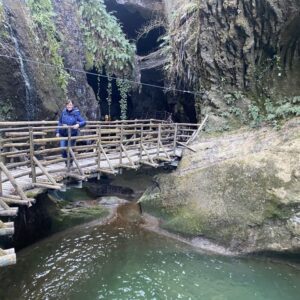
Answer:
(164, 150)
(148, 155)
(44, 170)
(3, 204)
(18, 202)
(107, 159)
(6, 225)
(186, 146)
(147, 163)
(127, 155)
(107, 171)
(162, 158)
(47, 186)
(135, 167)
(13, 181)
(7, 231)
(13, 211)
(15, 197)
(76, 162)
(195, 134)
(8, 259)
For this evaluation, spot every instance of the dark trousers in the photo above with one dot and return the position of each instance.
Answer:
(64, 143)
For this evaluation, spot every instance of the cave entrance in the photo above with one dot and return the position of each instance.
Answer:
(99, 83)
(145, 100)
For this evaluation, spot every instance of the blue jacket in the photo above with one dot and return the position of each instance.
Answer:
(70, 118)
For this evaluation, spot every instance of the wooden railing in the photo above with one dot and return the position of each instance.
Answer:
(22, 144)
(30, 155)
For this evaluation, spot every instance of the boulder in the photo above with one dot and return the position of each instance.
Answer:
(240, 190)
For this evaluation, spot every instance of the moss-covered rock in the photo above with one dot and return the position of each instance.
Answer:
(66, 218)
(241, 190)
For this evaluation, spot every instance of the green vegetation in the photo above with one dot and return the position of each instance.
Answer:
(66, 218)
(42, 15)
(183, 61)
(106, 45)
(123, 86)
(272, 112)
(1, 11)
(107, 48)
(6, 110)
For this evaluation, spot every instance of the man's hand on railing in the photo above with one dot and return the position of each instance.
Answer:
(76, 126)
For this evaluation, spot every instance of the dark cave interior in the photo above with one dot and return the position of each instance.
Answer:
(145, 100)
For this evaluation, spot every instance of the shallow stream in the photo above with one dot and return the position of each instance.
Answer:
(123, 261)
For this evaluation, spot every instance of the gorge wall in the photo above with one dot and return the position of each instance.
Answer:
(47, 97)
(235, 50)
(240, 60)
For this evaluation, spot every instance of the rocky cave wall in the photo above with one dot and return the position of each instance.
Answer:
(235, 42)
(47, 98)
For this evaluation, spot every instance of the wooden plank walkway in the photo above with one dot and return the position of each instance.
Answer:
(31, 158)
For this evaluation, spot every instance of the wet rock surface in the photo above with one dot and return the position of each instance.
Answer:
(240, 190)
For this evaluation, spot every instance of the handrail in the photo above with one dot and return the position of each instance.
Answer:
(21, 143)
(30, 151)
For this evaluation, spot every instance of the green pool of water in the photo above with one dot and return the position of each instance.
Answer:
(123, 261)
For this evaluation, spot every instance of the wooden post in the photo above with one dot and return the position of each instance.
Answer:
(1, 190)
(68, 150)
(158, 139)
(99, 152)
(31, 142)
(7, 258)
(121, 142)
(13, 181)
(1, 160)
(175, 138)
(134, 136)
(141, 143)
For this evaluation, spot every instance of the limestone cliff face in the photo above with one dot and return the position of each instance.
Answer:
(68, 24)
(241, 190)
(45, 98)
(221, 46)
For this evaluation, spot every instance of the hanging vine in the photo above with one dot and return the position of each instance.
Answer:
(98, 89)
(109, 95)
(124, 87)
(106, 47)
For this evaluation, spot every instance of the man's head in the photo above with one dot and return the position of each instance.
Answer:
(69, 105)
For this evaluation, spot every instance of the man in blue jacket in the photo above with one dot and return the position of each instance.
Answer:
(69, 117)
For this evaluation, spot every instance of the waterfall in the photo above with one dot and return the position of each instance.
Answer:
(29, 91)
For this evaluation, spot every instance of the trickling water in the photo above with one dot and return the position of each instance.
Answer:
(29, 92)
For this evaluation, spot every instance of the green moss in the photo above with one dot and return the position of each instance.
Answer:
(105, 43)
(42, 14)
(1, 12)
(66, 218)
(186, 221)
(7, 110)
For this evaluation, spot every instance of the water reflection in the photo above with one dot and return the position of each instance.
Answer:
(123, 261)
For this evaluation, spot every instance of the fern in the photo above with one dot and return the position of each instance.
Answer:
(42, 14)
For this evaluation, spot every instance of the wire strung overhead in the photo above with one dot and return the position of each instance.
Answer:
(165, 89)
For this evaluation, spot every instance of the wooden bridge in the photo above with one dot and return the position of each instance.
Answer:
(30, 157)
